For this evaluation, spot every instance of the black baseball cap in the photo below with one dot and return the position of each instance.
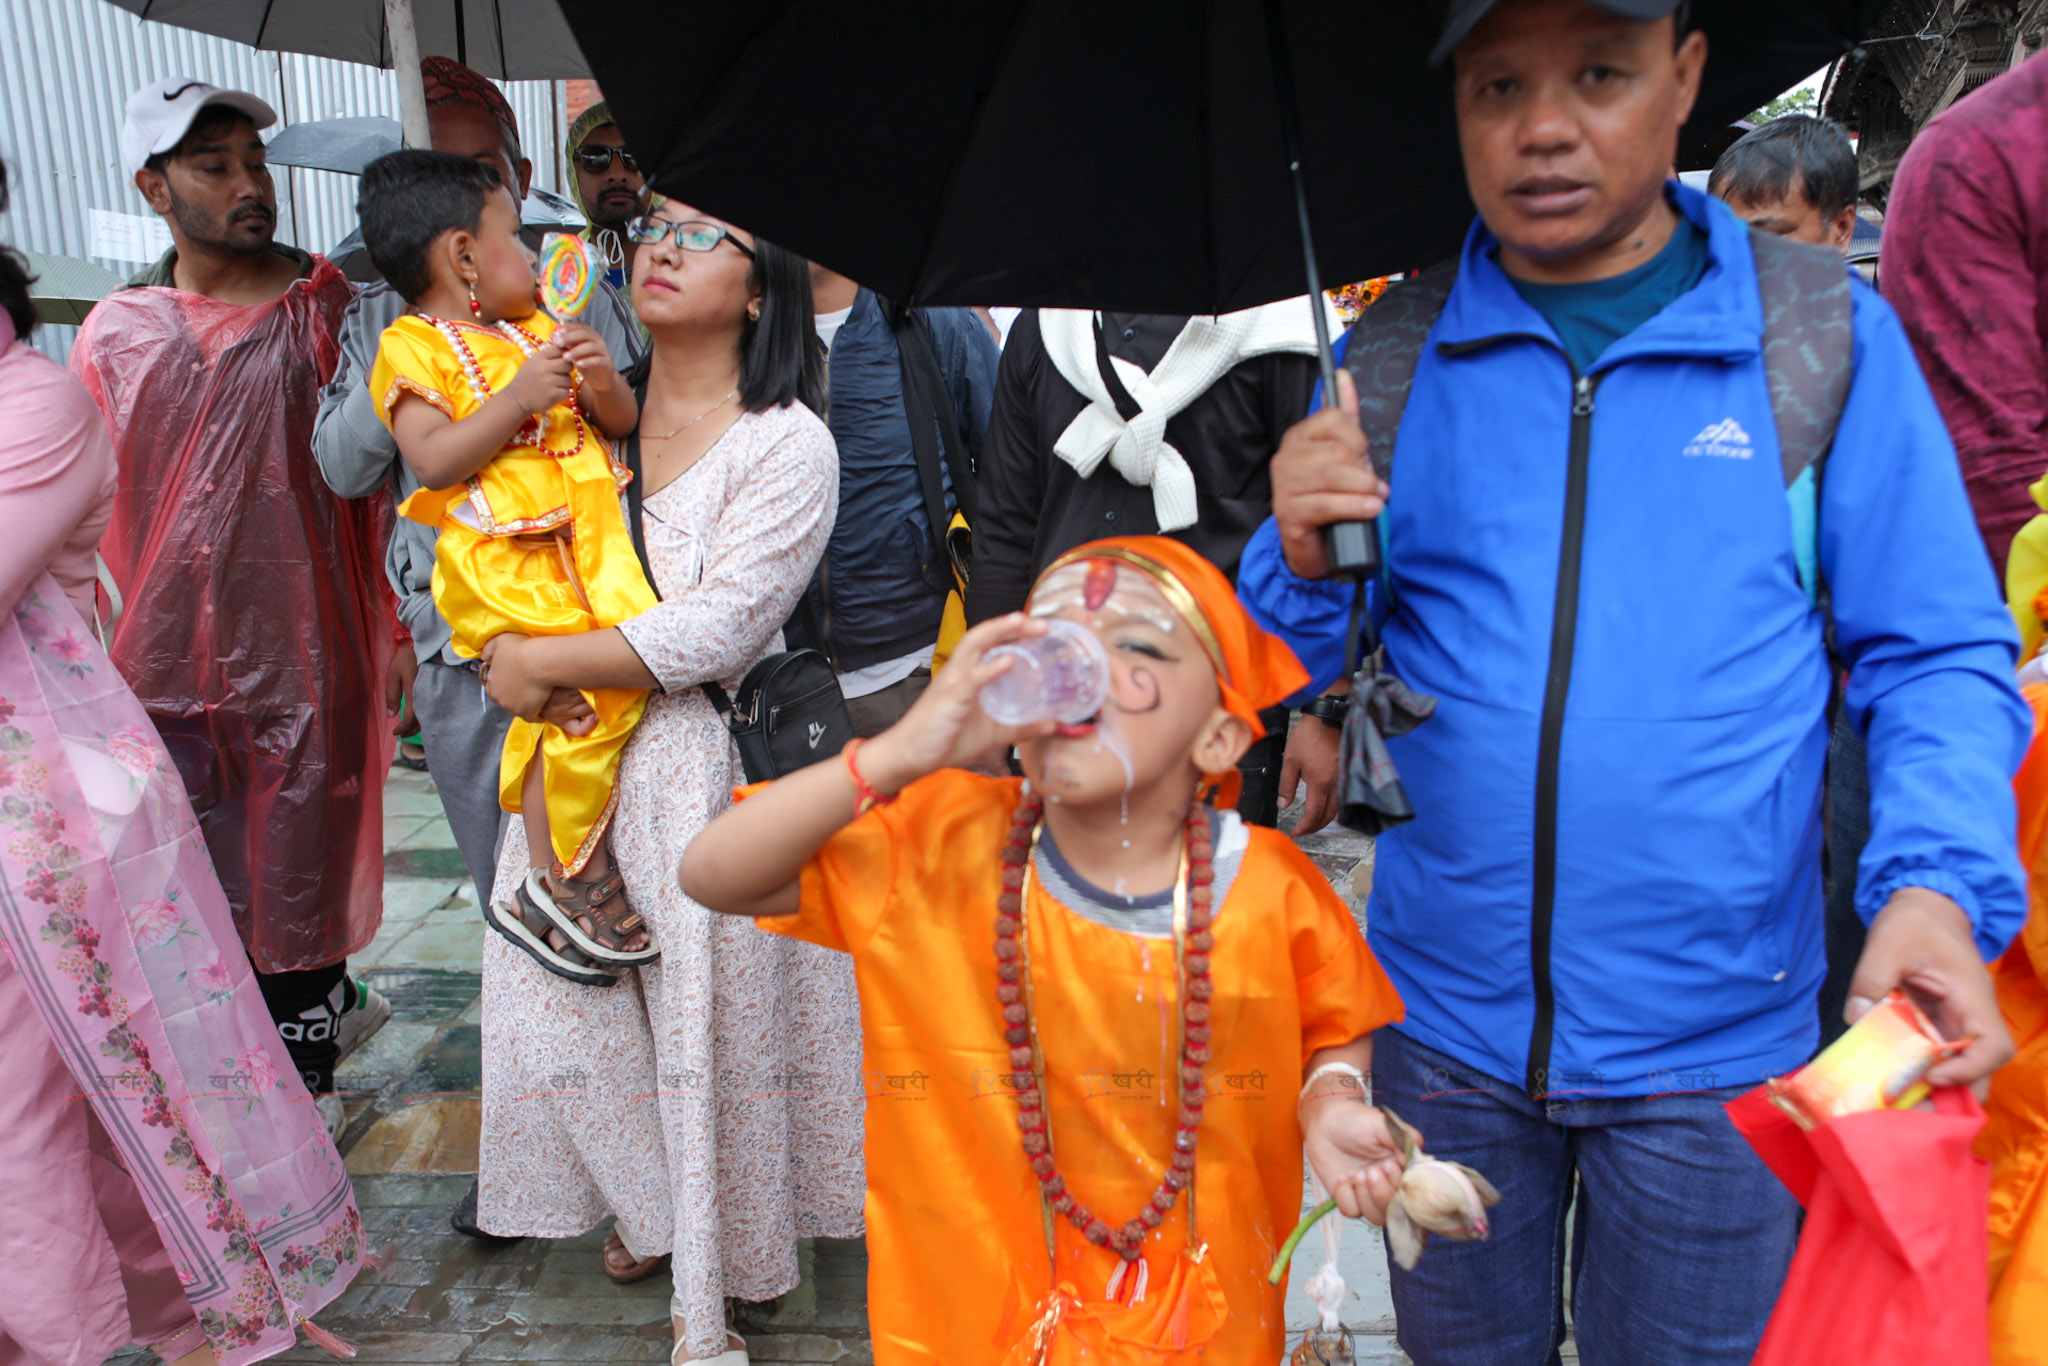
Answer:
(1464, 15)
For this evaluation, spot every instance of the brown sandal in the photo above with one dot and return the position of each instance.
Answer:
(613, 921)
(530, 931)
(635, 1271)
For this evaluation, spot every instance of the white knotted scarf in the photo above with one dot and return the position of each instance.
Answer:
(1206, 350)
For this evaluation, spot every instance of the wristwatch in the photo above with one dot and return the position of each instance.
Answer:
(1329, 710)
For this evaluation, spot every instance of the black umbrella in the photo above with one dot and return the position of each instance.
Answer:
(1161, 156)
(1120, 154)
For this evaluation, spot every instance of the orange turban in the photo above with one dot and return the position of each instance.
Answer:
(1254, 669)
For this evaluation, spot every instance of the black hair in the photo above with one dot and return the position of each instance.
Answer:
(408, 199)
(209, 122)
(1799, 152)
(780, 359)
(15, 279)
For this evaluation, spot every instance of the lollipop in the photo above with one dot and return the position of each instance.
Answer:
(568, 280)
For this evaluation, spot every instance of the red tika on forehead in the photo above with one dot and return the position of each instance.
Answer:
(1101, 582)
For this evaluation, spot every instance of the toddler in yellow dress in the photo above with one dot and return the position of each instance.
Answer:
(502, 416)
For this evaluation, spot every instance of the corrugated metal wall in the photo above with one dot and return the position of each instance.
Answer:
(67, 68)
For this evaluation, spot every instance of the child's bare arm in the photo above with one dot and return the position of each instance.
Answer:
(441, 452)
(605, 394)
(748, 860)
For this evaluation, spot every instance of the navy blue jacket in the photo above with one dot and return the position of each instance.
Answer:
(880, 590)
(1613, 887)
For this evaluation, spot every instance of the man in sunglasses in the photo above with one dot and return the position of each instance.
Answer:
(608, 187)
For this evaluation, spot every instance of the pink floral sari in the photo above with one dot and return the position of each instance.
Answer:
(111, 912)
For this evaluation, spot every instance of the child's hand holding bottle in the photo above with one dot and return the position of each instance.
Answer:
(948, 727)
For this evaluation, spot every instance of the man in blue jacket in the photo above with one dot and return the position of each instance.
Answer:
(1606, 918)
(881, 590)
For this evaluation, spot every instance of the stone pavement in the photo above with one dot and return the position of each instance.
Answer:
(411, 1145)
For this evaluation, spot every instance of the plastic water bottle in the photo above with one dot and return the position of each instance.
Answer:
(1062, 676)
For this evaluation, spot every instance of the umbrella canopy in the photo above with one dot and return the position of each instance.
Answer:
(544, 211)
(343, 145)
(64, 288)
(1081, 154)
(510, 39)
(348, 145)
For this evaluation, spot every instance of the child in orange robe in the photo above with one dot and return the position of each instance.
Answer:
(2015, 1134)
(1050, 1015)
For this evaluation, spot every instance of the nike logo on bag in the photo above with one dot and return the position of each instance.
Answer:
(1723, 440)
(817, 733)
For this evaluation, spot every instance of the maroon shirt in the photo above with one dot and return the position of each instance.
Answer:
(1965, 262)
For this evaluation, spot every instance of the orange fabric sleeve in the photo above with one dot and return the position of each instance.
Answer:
(888, 858)
(1344, 992)
(846, 887)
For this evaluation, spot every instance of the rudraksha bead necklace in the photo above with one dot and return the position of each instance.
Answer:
(1012, 977)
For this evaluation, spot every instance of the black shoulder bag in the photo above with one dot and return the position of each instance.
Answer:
(789, 712)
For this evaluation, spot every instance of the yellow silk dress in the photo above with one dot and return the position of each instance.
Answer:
(535, 543)
(958, 1266)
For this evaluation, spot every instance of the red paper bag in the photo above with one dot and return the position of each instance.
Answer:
(1891, 1263)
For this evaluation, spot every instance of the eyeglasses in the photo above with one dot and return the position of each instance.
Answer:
(596, 158)
(691, 234)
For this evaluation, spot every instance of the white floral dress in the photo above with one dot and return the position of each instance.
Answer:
(712, 1100)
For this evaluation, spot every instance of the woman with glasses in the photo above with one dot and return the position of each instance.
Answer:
(711, 1102)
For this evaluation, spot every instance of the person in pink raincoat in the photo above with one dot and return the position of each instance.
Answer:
(146, 1101)
(258, 624)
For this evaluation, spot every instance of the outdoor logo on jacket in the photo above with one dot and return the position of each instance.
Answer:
(1724, 439)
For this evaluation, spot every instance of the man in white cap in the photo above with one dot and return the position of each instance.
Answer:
(257, 626)
(194, 154)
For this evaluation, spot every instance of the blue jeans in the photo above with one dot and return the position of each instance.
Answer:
(1679, 1244)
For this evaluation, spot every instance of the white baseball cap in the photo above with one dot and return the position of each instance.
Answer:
(159, 115)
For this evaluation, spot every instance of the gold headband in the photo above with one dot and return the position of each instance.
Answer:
(1175, 592)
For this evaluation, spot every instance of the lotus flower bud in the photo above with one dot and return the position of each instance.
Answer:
(1443, 1198)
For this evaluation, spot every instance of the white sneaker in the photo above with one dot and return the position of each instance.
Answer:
(369, 1014)
(333, 1112)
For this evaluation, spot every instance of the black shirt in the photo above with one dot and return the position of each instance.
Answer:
(1034, 508)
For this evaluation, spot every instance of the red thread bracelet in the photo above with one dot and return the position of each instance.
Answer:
(865, 798)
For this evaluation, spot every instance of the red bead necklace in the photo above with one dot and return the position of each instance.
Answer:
(533, 431)
(1013, 981)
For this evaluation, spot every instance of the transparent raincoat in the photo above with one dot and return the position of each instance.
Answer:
(258, 624)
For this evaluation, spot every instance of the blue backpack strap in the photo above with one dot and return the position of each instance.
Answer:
(1809, 360)
(1383, 348)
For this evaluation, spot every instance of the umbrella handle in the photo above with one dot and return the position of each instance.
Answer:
(1351, 549)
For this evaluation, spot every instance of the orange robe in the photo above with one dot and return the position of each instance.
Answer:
(956, 1237)
(2015, 1136)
